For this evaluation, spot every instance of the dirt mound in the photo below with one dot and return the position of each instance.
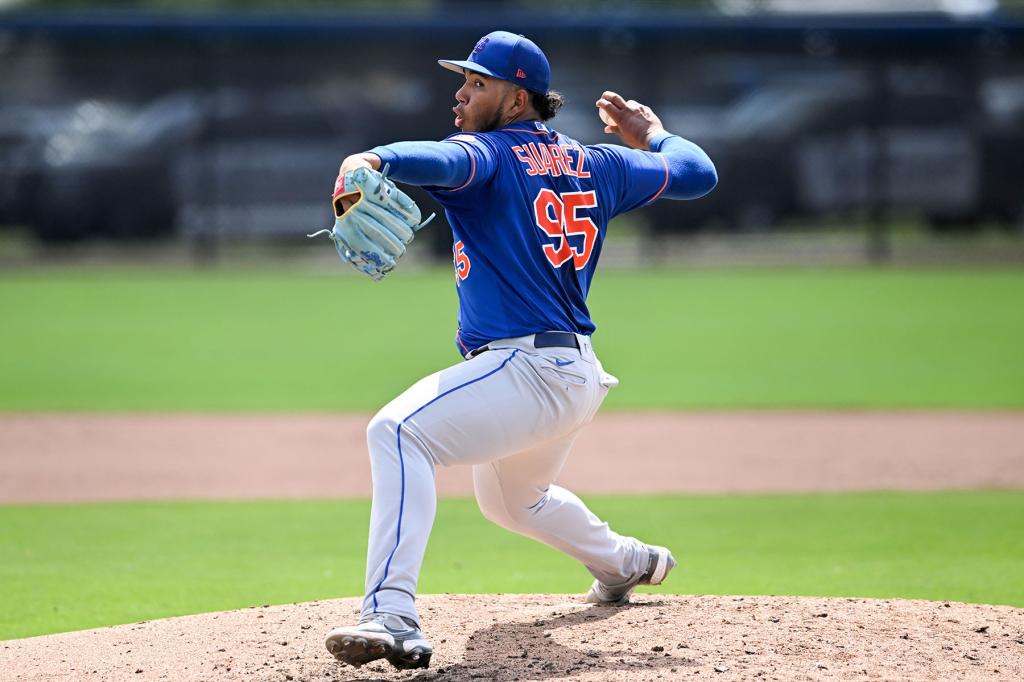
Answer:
(548, 637)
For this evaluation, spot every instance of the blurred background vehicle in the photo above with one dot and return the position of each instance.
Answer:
(835, 146)
(140, 125)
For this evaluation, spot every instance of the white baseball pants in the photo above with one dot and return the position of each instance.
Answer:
(512, 413)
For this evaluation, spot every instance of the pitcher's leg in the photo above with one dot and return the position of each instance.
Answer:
(471, 412)
(517, 492)
(401, 517)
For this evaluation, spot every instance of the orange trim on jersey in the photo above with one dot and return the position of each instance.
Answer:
(458, 337)
(655, 197)
(472, 166)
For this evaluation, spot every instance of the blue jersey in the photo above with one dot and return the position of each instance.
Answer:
(529, 224)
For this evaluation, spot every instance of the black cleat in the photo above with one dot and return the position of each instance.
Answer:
(382, 635)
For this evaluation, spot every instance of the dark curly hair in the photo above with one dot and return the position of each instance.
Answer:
(548, 104)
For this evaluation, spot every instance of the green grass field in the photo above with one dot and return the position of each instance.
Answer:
(80, 566)
(129, 339)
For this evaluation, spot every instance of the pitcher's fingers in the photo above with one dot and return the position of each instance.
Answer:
(609, 108)
(615, 98)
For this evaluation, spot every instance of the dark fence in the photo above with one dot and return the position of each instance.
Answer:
(135, 126)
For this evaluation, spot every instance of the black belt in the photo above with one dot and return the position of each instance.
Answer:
(556, 340)
(543, 340)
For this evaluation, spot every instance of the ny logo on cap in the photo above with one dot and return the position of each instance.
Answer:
(481, 44)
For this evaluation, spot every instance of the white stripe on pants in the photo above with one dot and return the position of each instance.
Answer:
(513, 413)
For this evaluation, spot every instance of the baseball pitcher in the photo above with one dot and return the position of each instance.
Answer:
(529, 208)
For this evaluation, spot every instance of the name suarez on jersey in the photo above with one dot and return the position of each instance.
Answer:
(555, 160)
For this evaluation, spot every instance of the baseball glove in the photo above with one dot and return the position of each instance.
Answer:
(374, 233)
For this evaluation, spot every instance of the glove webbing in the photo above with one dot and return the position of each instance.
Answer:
(384, 174)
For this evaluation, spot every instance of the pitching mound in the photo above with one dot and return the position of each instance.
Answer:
(548, 637)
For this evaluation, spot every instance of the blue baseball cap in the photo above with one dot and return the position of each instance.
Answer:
(509, 57)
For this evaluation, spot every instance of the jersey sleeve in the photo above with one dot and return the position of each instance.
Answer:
(627, 178)
(483, 160)
(424, 163)
(692, 172)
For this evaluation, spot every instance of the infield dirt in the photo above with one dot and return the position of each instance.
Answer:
(84, 457)
(60, 458)
(556, 637)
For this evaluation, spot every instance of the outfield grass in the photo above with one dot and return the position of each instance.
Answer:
(122, 339)
(79, 566)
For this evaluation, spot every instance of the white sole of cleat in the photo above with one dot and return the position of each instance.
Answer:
(665, 564)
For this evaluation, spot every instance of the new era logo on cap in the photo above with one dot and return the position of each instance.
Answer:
(520, 73)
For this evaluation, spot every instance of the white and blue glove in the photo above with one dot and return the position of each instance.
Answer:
(375, 231)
